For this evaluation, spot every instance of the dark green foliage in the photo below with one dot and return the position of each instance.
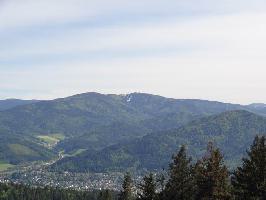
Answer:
(127, 191)
(212, 176)
(181, 184)
(94, 121)
(103, 136)
(231, 131)
(148, 188)
(207, 179)
(105, 195)
(249, 180)
(20, 192)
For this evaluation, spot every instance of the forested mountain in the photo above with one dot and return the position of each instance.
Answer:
(231, 131)
(93, 121)
(11, 103)
(76, 115)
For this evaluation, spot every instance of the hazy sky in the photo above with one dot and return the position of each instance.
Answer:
(208, 49)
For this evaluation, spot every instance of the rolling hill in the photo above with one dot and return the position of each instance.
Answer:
(94, 122)
(15, 149)
(232, 132)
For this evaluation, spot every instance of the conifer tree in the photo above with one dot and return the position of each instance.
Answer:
(249, 180)
(212, 176)
(127, 191)
(105, 195)
(148, 188)
(181, 185)
(161, 180)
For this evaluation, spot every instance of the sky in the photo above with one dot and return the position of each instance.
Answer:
(193, 49)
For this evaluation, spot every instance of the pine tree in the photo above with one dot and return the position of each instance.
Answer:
(105, 195)
(181, 185)
(161, 180)
(127, 193)
(148, 188)
(249, 180)
(212, 176)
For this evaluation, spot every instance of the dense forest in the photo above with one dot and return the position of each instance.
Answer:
(39, 130)
(207, 178)
(229, 131)
(20, 192)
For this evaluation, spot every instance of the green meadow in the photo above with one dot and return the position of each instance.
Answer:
(4, 166)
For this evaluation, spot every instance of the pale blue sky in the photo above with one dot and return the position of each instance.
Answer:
(208, 49)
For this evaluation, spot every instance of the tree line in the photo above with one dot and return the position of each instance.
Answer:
(21, 192)
(206, 179)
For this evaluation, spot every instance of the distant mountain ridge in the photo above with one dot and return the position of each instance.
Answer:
(258, 108)
(95, 121)
(257, 105)
(11, 103)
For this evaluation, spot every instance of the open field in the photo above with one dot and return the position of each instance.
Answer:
(4, 166)
(51, 139)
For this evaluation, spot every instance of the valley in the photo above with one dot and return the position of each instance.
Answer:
(92, 134)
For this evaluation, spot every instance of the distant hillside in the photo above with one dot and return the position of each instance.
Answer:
(258, 108)
(11, 103)
(95, 121)
(231, 131)
(15, 149)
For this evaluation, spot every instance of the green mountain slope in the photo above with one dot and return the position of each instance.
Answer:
(11, 103)
(95, 121)
(157, 113)
(71, 116)
(231, 131)
(15, 149)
